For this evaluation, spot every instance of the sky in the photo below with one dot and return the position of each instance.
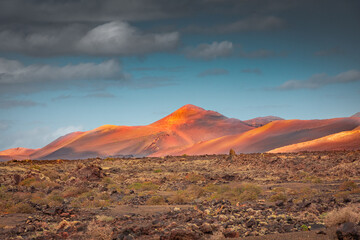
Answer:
(76, 65)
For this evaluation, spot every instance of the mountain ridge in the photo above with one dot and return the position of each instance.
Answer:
(188, 130)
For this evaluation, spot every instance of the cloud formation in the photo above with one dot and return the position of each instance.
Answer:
(116, 38)
(211, 51)
(134, 10)
(259, 53)
(119, 38)
(321, 80)
(15, 77)
(254, 23)
(213, 72)
(11, 103)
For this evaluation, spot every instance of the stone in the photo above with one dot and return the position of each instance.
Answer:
(230, 233)
(206, 228)
(348, 231)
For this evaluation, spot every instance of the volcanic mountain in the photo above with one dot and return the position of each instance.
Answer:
(192, 130)
(184, 127)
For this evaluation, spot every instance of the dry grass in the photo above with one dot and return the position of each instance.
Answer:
(97, 231)
(156, 200)
(350, 213)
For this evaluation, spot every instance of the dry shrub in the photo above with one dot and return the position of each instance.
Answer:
(104, 218)
(21, 208)
(350, 213)
(348, 186)
(179, 197)
(97, 231)
(277, 197)
(194, 177)
(156, 200)
(74, 191)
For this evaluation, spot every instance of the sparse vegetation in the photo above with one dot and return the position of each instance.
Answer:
(347, 214)
(80, 199)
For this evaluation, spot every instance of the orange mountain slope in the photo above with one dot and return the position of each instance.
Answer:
(346, 140)
(186, 126)
(261, 121)
(270, 136)
(16, 153)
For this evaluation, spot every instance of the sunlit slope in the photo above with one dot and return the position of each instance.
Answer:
(273, 135)
(346, 140)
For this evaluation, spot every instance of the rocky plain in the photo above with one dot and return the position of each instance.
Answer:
(306, 195)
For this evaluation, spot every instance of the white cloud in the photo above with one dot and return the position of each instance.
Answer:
(211, 51)
(119, 38)
(322, 79)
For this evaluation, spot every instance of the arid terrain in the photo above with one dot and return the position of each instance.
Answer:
(307, 195)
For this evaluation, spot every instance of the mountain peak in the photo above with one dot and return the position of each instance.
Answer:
(185, 114)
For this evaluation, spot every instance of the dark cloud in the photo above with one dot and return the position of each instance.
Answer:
(321, 80)
(330, 52)
(115, 38)
(259, 53)
(135, 10)
(252, 70)
(165, 69)
(90, 95)
(211, 51)
(254, 23)
(213, 72)
(10, 103)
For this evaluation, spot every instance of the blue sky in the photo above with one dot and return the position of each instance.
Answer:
(83, 64)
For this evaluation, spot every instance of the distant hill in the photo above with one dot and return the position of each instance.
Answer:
(261, 121)
(356, 114)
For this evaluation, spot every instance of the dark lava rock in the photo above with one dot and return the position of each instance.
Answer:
(321, 232)
(17, 179)
(279, 203)
(316, 226)
(348, 231)
(91, 173)
(230, 233)
(180, 233)
(250, 223)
